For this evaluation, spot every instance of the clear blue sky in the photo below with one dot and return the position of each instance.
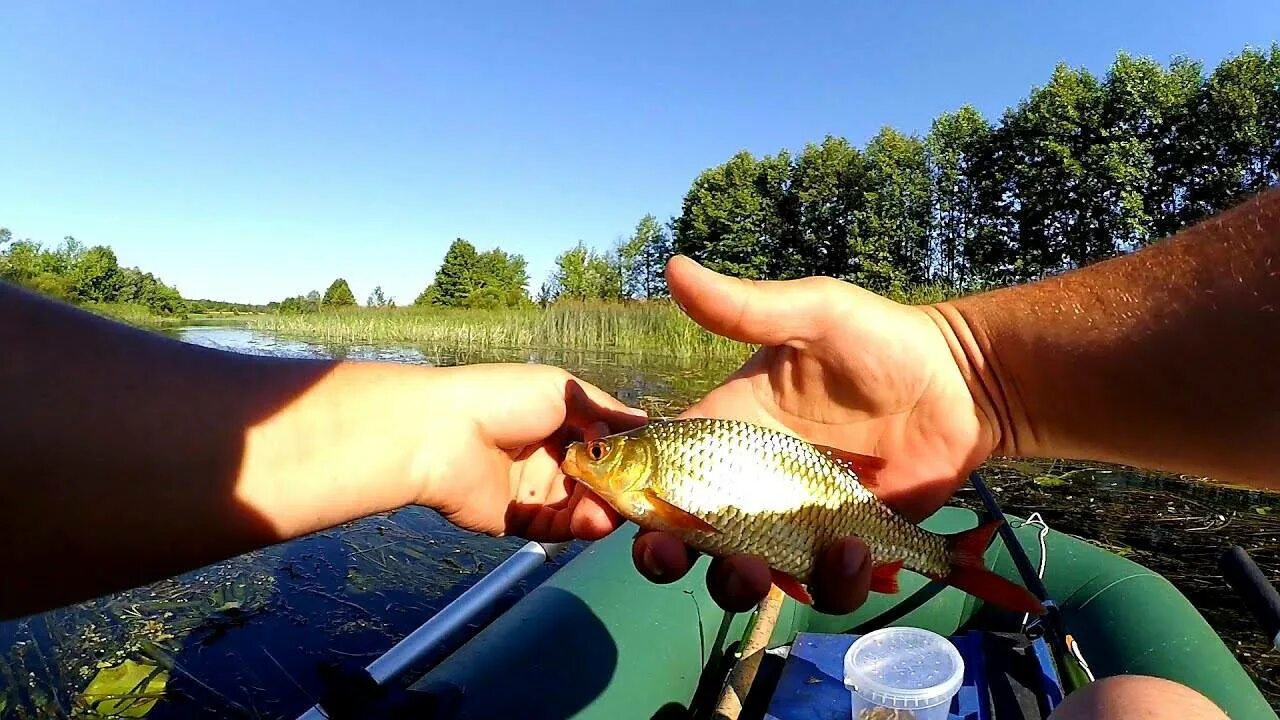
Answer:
(250, 150)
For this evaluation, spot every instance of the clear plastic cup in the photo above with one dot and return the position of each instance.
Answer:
(902, 673)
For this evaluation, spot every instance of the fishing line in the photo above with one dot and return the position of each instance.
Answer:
(1077, 672)
(1068, 639)
(1038, 521)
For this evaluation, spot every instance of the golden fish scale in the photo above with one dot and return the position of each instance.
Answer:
(777, 497)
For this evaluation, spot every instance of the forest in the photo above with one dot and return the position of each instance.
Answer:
(83, 275)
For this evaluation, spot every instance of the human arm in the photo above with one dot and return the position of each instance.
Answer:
(1163, 358)
(127, 457)
(1158, 358)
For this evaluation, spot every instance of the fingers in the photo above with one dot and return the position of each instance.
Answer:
(520, 404)
(766, 312)
(842, 578)
(595, 430)
(661, 557)
(591, 518)
(737, 583)
(587, 405)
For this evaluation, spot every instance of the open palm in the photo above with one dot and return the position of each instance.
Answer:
(843, 367)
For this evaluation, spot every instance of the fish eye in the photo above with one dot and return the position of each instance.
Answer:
(596, 450)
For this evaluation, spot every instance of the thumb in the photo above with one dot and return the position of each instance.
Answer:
(763, 312)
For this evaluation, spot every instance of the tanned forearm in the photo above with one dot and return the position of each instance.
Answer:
(126, 457)
(1166, 358)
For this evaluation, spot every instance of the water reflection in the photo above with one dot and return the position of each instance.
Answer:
(246, 637)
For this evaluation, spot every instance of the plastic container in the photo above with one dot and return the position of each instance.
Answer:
(915, 672)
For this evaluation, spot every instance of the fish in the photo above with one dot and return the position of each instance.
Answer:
(728, 486)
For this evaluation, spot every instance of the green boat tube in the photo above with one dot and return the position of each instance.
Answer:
(597, 640)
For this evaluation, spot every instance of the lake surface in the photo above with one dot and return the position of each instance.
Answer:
(245, 637)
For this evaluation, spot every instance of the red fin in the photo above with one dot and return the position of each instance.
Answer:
(675, 517)
(884, 578)
(866, 466)
(968, 573)
(792, 587)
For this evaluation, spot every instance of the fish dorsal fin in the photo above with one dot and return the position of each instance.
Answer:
(866, 467)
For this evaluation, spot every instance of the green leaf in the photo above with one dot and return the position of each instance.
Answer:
(1048, 481)
(129, 689)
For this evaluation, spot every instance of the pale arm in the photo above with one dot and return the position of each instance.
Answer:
(126, 457)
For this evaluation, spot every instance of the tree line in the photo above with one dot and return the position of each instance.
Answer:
(631, 269)
(1081, 169)
(337, 296)
(78, 274)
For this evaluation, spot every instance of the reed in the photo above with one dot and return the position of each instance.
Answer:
(642, 327)
(136, 315)
(655, 327)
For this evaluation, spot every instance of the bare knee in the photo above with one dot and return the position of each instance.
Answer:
(1136, 697)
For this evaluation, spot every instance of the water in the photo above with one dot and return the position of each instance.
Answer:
(246, 637)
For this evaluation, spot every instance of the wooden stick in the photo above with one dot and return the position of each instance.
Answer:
(750, 654)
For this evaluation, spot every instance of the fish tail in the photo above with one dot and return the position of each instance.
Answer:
(969, 573)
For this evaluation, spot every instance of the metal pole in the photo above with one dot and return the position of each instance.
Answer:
(456, 615)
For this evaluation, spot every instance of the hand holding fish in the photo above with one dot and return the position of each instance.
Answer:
(499, 473)
(841, 367)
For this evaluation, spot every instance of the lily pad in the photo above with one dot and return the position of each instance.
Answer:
(129, 689)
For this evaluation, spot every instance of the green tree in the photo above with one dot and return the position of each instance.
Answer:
(94, 275)
(829, 185)
(455, 279)
(338, 295)
(892, 244)
(500, 280)
(379, 300)
(956, 148)
(1056, 181)
(642, 260)
(583, 274)
(1234, 134)
(572, 276)
(1148, 117)
(725, 217)
(21, 262)
(76, 274)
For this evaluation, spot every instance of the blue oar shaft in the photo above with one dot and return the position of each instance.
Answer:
(455, 616)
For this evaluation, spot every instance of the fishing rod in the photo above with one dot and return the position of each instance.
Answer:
(1259, 595)
(1066, 650)
(440, 629)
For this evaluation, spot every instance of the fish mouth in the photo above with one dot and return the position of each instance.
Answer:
(570, 465)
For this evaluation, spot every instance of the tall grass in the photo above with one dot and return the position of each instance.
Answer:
(648, 327)
(137, 315)
(655, 327)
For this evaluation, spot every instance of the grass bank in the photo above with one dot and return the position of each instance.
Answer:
(652, 327)
(656, 327)
(135, 315)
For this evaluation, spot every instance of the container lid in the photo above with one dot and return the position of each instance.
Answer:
(903, 667)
